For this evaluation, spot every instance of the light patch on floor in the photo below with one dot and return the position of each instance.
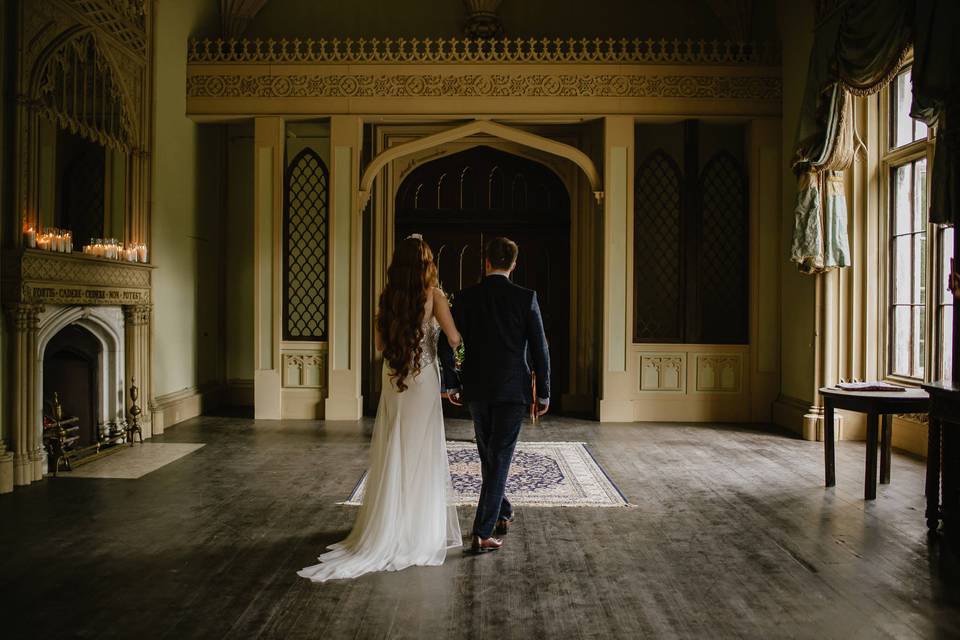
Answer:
(543, 474)
(133, 462)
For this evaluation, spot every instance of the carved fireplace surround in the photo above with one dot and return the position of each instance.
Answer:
(84, 289)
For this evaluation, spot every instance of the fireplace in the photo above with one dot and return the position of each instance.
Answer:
(72, 377)
(80, 326)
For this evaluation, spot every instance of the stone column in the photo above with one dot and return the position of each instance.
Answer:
(25, 428)
(136, 349)
(344, 401)
(616, 404)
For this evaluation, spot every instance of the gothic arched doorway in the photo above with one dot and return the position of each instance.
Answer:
(459, 201)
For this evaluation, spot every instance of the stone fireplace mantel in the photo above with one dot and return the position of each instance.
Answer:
(36, 281)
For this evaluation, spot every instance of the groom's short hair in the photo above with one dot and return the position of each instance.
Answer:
(502, 253)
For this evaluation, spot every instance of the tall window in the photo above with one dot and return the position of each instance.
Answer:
(917, 344)
(945, 314)
(305, 248)
(690, 242)
(908, 261)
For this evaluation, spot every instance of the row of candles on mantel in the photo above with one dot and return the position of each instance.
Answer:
(57, 240)
(113, 250)
(61, 241)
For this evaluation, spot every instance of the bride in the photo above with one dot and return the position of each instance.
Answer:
(404, 519)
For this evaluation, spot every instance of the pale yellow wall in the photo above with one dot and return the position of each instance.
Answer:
(239, 254)
(797, 291)
(186, 239)
(423, 18)
(6, 215)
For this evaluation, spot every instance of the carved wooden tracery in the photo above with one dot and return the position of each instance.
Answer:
(78, 89)
(84, 65)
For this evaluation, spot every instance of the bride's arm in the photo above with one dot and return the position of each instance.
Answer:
(441, 311)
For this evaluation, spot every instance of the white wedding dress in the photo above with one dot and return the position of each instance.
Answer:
(405, 518)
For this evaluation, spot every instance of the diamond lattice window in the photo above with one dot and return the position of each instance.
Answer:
(657, 250)
(305, 248)
(723, 252)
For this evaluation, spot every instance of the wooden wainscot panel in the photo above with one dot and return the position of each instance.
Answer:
(663, 372)
(305, 370)
(719, 372)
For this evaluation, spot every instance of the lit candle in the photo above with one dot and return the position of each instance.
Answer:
(68, 239)
(30, 238)
(142, 253)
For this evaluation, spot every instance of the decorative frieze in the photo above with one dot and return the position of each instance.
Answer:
(494, 85)
(483, 51)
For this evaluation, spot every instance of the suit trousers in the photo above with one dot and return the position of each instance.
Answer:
(497, 425)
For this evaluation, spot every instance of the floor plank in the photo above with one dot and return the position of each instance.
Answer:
(732, 534)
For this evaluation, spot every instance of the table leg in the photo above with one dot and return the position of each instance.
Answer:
(829, 455)
(870, 476)
(933, 474)
(886, 436)
(949, 494)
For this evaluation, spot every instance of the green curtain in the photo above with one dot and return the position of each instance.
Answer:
(858, 49)
(936, 99)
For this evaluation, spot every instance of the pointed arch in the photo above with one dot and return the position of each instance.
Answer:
(481, 127)
(305, 247)
(78, 86)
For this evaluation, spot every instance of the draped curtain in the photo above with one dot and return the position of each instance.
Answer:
(235, 15)
(858, 48)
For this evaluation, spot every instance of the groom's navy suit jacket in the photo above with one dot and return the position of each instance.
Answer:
(501, 326)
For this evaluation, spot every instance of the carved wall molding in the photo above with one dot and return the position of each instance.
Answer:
(663, 372)
(498, 85)
(476, 50)
(719, 373)
(43, 277)
(305, 370)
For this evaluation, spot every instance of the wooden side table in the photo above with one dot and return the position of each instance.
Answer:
(943, 453)
(874, 404)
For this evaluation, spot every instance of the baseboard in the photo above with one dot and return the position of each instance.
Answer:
(170, 409)
(788, 412)
(910, 435)
(240, 392)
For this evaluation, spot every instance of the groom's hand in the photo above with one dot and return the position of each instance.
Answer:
(453, 395)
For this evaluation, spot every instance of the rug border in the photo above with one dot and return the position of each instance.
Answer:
(584, 445)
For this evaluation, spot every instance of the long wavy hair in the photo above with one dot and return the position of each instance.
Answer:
(400, 313)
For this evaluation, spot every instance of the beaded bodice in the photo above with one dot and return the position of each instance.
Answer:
(428, 345)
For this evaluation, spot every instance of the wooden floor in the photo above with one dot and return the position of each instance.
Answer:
(733, 535)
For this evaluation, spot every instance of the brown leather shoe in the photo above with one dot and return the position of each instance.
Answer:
(485, 545)
(503, 526)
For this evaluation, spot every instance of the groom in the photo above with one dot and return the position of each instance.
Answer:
(500, 323)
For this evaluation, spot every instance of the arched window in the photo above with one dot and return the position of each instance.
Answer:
(691, 236)
(305, 244)
(723, 251)
(658, 255)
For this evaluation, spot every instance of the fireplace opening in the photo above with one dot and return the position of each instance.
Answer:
(72, 364)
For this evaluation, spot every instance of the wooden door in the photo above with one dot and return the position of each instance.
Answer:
(461, 201)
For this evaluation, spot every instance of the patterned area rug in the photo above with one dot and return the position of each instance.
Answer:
(543, 474)
(133, 462)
